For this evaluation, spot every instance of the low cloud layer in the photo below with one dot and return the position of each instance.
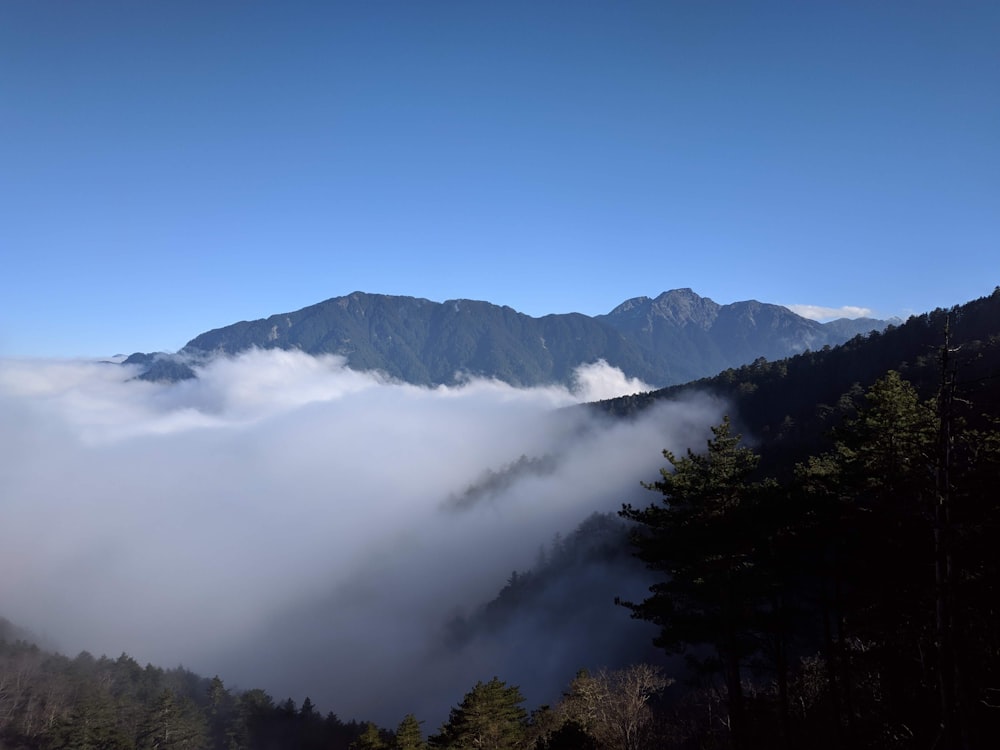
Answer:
(817, 312)
(285, 522)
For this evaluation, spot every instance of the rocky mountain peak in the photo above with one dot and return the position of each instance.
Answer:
(676, 337)
(684, 307)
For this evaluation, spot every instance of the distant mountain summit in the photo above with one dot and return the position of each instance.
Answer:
(679, 307)
(677, 337)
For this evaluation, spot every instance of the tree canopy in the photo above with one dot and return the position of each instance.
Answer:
(489, 717)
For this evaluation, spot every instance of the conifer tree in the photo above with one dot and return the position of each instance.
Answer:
(489, 717)
(408, 735)
(91, 725)
(370, 739)
(172, 724)
(872, 536)
(699, 538)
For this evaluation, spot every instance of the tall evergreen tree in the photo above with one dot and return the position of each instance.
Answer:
(221, 715)
(91, 725)
(490, 717)
(900, 511)
(370, 739)
(871, 540)
(173, 724)
(698, 537)
(408, 734)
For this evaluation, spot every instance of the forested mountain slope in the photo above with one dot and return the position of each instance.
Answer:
(839, 594)
(50, 701)
(842, 592)
(674, 338)
(786, 405)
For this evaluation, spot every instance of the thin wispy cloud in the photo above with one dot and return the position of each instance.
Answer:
(283, 521)
(820, 313)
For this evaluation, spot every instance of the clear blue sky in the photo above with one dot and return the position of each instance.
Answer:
(170, 166)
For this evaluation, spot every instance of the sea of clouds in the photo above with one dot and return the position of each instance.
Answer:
(283, 521)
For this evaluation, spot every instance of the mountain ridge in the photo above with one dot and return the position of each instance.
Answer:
(787, 405)
(673, 338)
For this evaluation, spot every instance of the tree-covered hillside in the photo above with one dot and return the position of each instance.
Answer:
(675, 338)
(50, 701)
(831, 583)
(848, 603)
(787, 405)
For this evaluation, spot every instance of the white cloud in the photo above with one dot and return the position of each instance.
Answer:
(599, 380)
(191, 522)
(817, 312)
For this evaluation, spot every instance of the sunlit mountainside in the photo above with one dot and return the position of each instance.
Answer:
(674, 338)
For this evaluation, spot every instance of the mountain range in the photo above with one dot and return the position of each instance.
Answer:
(677, 337)
(820, 527)
(788, 406)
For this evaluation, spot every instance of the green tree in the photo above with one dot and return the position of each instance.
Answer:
(882, 503)
(870, 543)
(221, 715)
(887, 447)
(254, 713)
(490, 717)
(370, 739)
(91, 725)
(172, 724)
(408, 734)
(700, 538)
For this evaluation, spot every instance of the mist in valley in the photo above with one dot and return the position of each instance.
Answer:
(291, 524)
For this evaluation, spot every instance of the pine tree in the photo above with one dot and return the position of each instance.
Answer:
(408, 735)
(490, 717)
(700, 538)
(370, 739)
(221, 715)
(91, 725)
(883, 501)
(172, 724)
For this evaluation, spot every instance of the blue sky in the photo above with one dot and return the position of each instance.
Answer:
(171, 167)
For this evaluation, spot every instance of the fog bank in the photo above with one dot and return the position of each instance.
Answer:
(285, 522)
